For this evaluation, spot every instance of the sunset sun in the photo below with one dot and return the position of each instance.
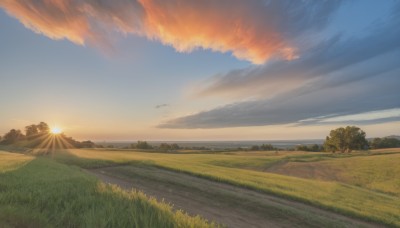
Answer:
(55, 130)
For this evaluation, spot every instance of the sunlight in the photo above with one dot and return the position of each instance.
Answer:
(55, 130)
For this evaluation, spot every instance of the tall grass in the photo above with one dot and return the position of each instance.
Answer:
(43, 193)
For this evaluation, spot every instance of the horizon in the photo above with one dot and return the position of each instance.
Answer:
(253, 71)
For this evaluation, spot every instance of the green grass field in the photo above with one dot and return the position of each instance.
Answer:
(377, 173)
(53, 191)
(40, 192)
(366, 187)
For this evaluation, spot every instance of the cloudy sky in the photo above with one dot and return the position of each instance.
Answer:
(200, 70)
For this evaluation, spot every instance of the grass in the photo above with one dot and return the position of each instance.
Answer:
(40, 192)
(377, 173)
(236, 168)
(11, 161)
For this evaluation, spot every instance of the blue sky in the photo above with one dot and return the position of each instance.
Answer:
(287, 70)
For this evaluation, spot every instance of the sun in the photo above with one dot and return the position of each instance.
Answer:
(55, 130)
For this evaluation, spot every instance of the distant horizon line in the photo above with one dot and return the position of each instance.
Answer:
(227, 140)
(246, 140)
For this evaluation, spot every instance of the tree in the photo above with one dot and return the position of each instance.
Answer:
(175, 146)
(311, 148)
(143, 145)
(346, 139)
(12, 136)
(31, 130)
(166, 146)
(255, 148)
(386, 142)
(43, 127)
(267, 147)
(87, 144)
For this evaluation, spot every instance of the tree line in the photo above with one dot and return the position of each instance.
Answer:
(386, 142)
(36, 134)
(343, 139)
(31, 131)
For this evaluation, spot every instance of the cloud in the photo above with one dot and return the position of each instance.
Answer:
(376, 93)
(82, 22)
(335, 78)
(253, 30)
(324, 58)
(373, 117)
(333, 55)
(161, 106)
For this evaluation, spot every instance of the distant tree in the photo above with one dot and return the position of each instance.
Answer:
(255, 148)
(376, 143)
(315, 148)
(346, 139)
(143, 145)
(175, 146)
(43, 127)
(87, 144)
(31, 130)
(166, 146)
(12, 136)
(386, 142)
(264, 147)
(311, 148)
(268, 147)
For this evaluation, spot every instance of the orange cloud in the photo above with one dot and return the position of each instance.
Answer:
(52, 18)
(242, 27)
(82, 22)
(251, 30)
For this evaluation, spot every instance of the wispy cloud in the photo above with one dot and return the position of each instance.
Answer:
(377, 93)
(161, 106)
(253, 30)
(335, 78)
(330, 56)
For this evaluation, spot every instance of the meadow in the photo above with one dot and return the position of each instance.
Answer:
(40, 192)
(363, 184)
(54, 190)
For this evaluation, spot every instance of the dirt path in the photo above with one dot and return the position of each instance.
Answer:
(226, 204)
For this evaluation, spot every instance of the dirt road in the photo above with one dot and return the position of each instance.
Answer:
(225, 204)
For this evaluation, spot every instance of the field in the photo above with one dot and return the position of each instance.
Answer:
(363, 186)
(371, 195)
(39, 192)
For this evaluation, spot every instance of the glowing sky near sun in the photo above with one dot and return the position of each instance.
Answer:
(200, 70)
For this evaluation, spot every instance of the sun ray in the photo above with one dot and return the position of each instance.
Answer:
(52, 141)
(44, 145)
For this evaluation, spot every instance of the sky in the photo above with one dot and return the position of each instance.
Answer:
(200, 70)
